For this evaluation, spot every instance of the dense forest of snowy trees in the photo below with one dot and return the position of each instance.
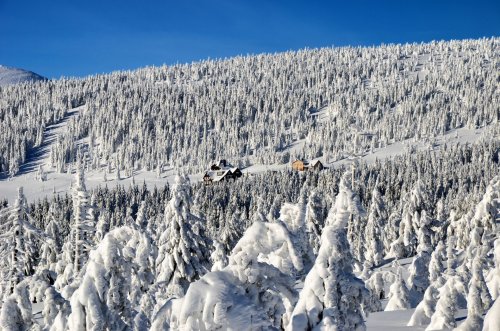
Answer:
(277, 250)
(340, 101)
(186, 254)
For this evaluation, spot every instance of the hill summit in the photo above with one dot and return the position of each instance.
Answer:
(10, 75)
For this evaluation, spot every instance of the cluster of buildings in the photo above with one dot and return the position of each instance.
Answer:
(223, 170)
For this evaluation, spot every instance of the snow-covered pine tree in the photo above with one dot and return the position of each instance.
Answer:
(315, 219)
(218, 256)
(377, 217)
(399, 295)
(426, 308)
(16, 312)
(118, 266)
(356, 225)
(16, 247)
(183, 254)
(83, 227)
(419, 269)
(50, 248)
(416, 201)
(493, 278)
(332, 295)
(492, 320)
(436, 264)
(446, 307)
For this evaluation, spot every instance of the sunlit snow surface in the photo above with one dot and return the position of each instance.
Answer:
(14, 76)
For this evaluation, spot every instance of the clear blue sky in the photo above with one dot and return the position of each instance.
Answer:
(75, 38)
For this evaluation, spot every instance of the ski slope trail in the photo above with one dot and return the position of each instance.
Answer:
(40, 155)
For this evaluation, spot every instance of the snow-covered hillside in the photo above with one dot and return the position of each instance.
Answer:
(105, 223)
(10, 75)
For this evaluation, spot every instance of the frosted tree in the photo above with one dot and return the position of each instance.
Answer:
(374, 247)
(294, 218)
(41, 175)
(416, 201)
(315, 218)
(481, 299)
(15, 245)
(426, 308)
(356, 224)
(474, 320)
(140, 219)
(492, 320)
(399, 296)
(332, 295)
(444, 316)
(254, 291)
(436, 264)
(493, 279)
(419, 272)
(183, 254)
(16, 312)
(54, 304)
(218, 257)
(118, 265)
(50, 248)
(11, 318)
(487, 211)
(83, 226)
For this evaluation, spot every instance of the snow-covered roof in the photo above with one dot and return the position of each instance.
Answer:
(217, 175)
(315, 162)
(308, 163)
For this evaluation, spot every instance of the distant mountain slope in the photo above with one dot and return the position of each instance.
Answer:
(14, 76)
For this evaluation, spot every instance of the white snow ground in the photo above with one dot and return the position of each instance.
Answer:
(397, 320)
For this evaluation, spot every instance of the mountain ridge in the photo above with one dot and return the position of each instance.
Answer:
(11, 75)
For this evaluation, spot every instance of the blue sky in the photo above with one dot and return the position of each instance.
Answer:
(76, 38)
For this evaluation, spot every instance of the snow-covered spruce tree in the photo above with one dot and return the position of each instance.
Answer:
(436, 264)
(377, 217)
(140, 219)
(492, 318)
(493, 278)
(356, 224)
(415, 202)
(315, 219)
(54, 304)
(399, 295)
(393, 242)
(332, 296)
(183, 253)
(487, 211)
(83, 227)
(446, 307)
(479, 283)
(255, 290)
(474, 320)
(15, 245)
(218, 257)
(419, 269)
(293, 217)
(50, 248)
(425, 309)
(16, 312)
(116, 267)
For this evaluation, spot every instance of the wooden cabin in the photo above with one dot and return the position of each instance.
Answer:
(303, 165)
(221, 171)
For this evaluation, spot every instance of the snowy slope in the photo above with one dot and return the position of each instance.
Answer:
(60, 183)
(10, 75)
